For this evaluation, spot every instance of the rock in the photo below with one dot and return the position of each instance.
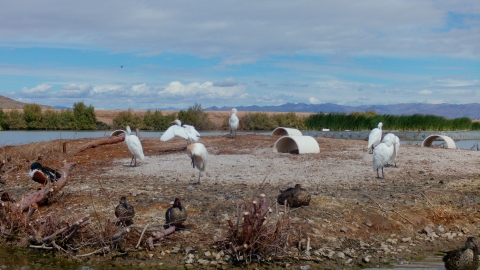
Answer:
(340, 255)
(219, 255)
(366, 259)
(428, 231)
(441, 229)
(203, 262)
(188, 249)
(189, 261)
(406, 239)
(207, 254)
(465, 230)
(150, 255)
(343, 229)
(305, 267)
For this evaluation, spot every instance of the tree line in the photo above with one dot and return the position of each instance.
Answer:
(82, 117)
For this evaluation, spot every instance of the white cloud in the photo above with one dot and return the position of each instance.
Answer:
(313, 100)
(37, 90)
(215, 29)
(226, 82)
(426, 92)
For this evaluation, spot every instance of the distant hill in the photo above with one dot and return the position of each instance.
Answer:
(8, 103)
(471, 110)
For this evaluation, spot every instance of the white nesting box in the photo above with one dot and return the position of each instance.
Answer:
(296, 145)
(428, 141)
(283, 131)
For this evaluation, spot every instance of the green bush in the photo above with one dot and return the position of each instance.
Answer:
(127, 118)
(197, 117)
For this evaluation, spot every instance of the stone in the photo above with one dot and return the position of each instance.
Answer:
(305, 267)
(406, 239)
(207, 254)
(340, 255)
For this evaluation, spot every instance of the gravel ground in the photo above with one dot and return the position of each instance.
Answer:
(428, 204)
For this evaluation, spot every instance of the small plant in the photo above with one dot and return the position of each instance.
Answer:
(255, 235)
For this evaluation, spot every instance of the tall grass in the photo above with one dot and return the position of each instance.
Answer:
(264, 121)
(367, 121)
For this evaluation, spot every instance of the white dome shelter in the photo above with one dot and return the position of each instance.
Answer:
(429, 140)
(283, 131)
(296, 145)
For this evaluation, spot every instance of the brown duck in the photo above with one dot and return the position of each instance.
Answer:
(125, 212)
(294, 197)
(177, 214)
(465, 258)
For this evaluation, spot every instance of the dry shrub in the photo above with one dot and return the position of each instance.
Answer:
(255, 234)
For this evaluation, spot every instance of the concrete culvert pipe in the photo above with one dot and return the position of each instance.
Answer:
(429, 140)
(283, 131)
(296, 145)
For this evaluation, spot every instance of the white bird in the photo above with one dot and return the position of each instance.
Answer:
(233, 122)
(381, 156)
(375, 137)
(198, 153)
(396, 147)
(187, 132)
(133, 144)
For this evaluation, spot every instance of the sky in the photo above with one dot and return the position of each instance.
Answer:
(155, 54)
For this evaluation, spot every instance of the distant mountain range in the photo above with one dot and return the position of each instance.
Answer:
(471, 110)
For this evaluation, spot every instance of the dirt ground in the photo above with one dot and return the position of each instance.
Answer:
(354, 220)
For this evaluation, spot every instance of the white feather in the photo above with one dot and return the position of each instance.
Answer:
(375, 136)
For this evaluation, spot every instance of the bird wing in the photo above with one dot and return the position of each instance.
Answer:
(191, 132)
(374, 137)
(381, 155)
(117, 132)
(174, 131)
(39, 177)
(233, 121)
(135, 146)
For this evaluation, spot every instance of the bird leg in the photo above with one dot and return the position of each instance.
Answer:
(199, 173)
(132, 161)
(383, 176)
(193, 163)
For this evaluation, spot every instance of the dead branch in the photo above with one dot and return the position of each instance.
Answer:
(80, 223)
(103, 141)
(116, 237)
(143, 232)
(101, 250)
(159, 235)
(47, 192)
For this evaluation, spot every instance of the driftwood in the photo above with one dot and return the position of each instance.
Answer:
(70, 229)
(159, 235)
(97, 143)
(46, 193)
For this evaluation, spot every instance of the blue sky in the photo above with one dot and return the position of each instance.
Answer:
(232, 53)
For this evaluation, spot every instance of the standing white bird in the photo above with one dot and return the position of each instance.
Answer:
(233, 122)
(396, 147)
(198, 153)
(133, 144)
(187, 132)
(381, 156)
(375, 137)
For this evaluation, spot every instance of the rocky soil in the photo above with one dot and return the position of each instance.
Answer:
(426, 205)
